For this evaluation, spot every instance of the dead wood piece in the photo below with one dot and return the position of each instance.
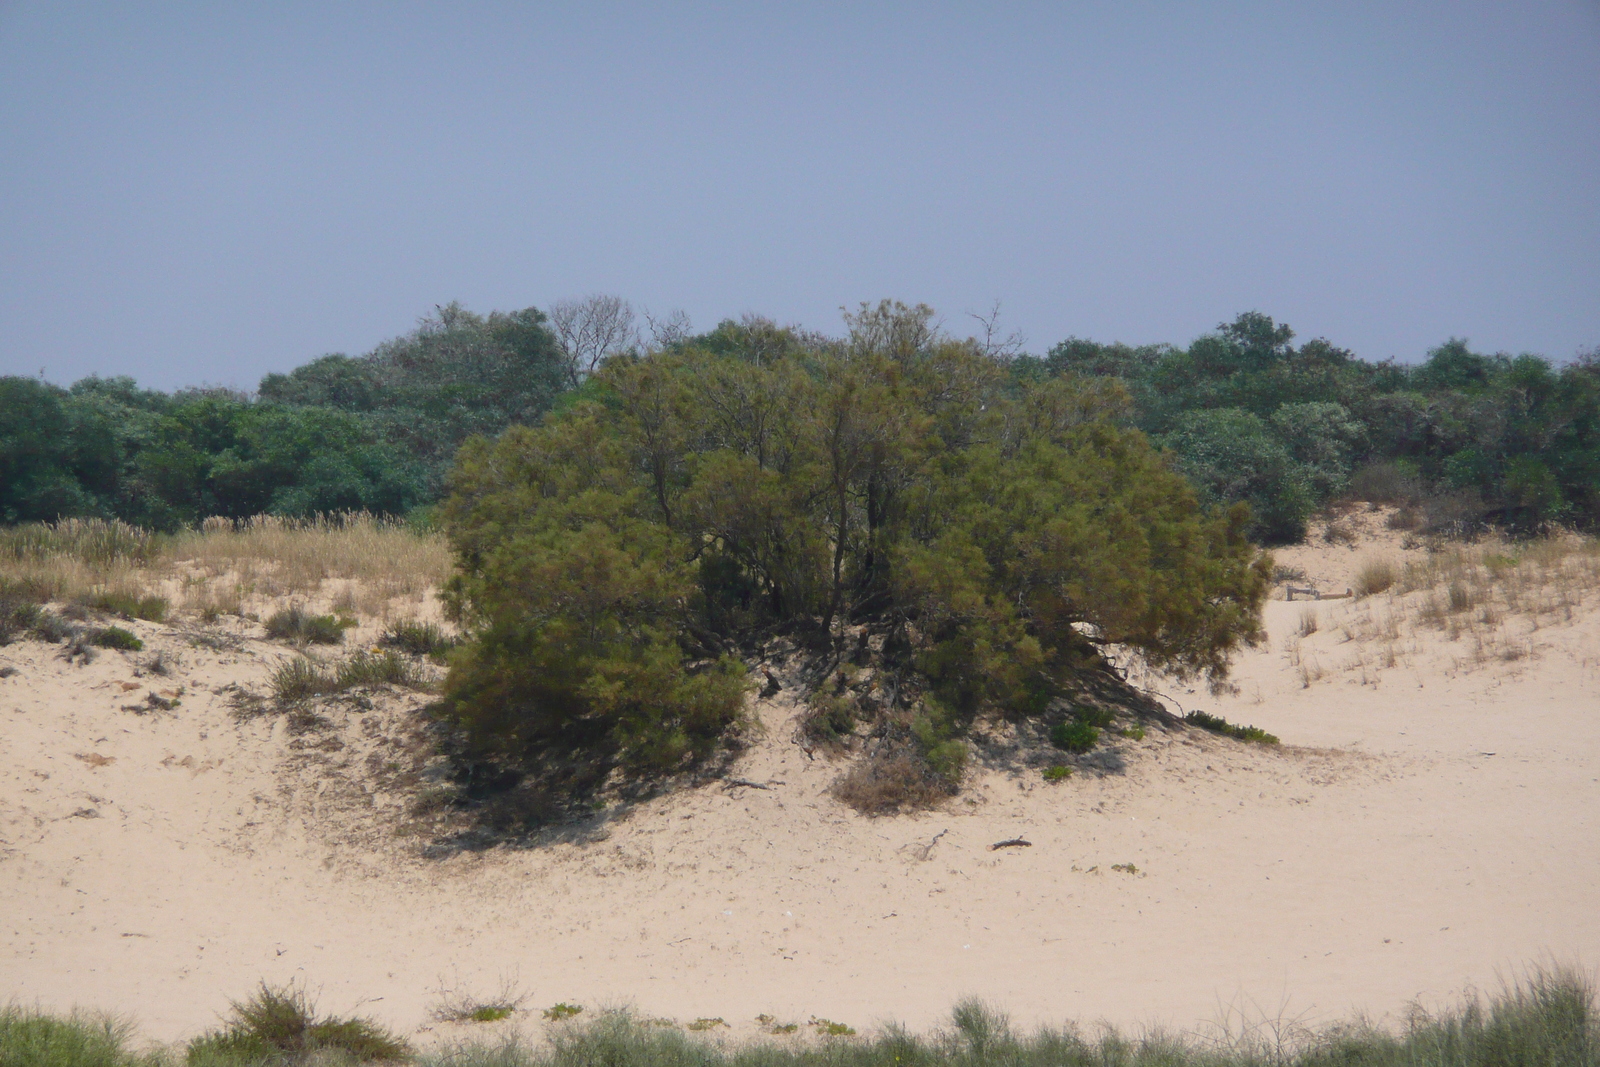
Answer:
(926, 851)
(1015, 842)
(731, 782)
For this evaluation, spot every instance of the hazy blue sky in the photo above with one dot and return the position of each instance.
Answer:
(206, 192)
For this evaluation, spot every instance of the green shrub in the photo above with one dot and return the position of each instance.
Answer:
(693, 504)
(128, 605)
(280, 1023)
(386, 668)
(1218, 725)
(1101, 717)
(417, 639)
(295, 624)
(1074, 736)
(115, 637)
(34, 1039)
(50, 627)
(17, 617)
(1057, 773)
(1134, 733)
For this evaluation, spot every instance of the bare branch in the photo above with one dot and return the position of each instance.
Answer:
(991, 343)
(590, 330)
(671, 329)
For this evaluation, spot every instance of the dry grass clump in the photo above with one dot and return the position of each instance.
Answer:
(892, 781)
(281, 1025)
(301, 678)
(1494, 598)
(285, 556)
(109, 566)
(1375, 576)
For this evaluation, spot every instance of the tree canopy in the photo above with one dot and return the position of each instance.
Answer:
(692, 502)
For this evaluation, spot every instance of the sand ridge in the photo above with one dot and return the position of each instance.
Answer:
(1421, 830)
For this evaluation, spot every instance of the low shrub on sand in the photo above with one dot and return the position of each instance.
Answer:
(1549, 1020)
(1218, 725)
(1076, 736)
(280, 1025)
(417, 639)
(296, 624)
(892, 781)
(301, 678)
(115, 637)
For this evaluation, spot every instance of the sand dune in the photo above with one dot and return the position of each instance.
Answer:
(1426, 826)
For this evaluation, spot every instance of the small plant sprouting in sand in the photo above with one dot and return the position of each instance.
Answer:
(829, 1028)
(557, 1012)
(770, 1024)
(279, 1024)
(1057, 773)
(1126, 868)
(704, 1024)
(1218, 725)
(1134, 733)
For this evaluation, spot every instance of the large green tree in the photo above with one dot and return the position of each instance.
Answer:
(616, 559)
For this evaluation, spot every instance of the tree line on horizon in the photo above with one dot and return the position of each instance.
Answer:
(1244, 413)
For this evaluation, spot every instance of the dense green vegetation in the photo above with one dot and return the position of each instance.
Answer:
(374, 434)
(993, 534)
(1465, 438)
(1549, 1021)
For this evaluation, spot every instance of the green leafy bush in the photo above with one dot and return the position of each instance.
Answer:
(115, 637)
(1057, 773)
(1074, 736)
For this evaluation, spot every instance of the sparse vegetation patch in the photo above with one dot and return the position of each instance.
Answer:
(1218, 725)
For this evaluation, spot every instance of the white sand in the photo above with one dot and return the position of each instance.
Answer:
(1382, 854)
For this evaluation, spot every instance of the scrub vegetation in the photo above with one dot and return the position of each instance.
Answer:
(1549, 1020)
(933, 537)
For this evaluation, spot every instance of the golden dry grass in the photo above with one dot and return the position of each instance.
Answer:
(1487, 601)
(357, 562)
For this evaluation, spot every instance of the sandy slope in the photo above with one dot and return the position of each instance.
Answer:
(1424, 828)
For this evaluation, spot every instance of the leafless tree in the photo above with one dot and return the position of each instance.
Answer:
(591, 329)
(668, 330)
(991, 343)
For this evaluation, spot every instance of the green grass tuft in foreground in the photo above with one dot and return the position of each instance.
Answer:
(35, 1039)
(1548, 1020)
